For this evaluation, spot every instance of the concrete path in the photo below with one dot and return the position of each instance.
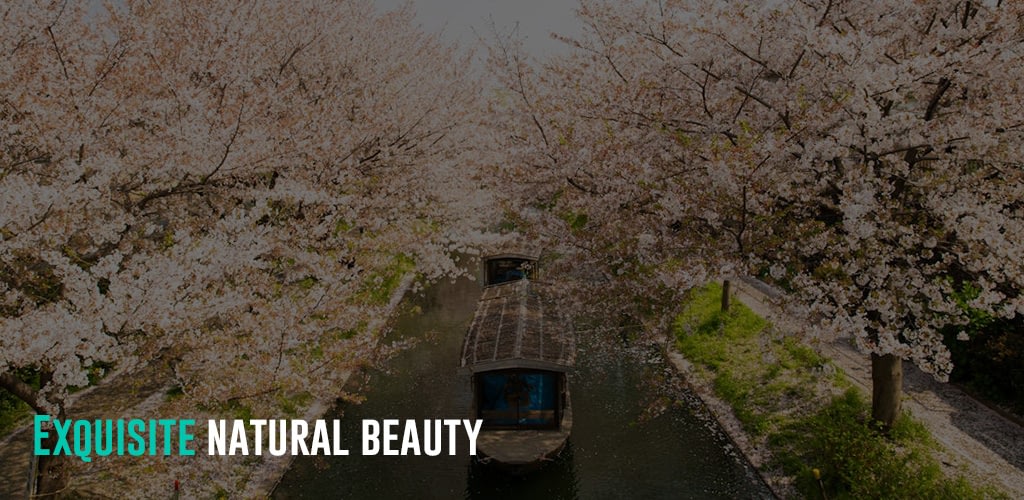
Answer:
(116, 397)
(979, 442)
(15, 451)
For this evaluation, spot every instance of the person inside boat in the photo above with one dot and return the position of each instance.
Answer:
(517, 392)
(505, 270)
(518, 400)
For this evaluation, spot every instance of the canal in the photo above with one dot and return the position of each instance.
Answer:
(637, 432)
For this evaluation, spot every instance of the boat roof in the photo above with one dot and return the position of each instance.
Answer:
(515, 326)
(533, 257)
(513, 251)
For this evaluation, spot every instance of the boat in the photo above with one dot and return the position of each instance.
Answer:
(519, 350)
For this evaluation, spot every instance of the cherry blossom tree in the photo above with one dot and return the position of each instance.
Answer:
(866, 154)
(592, 184)
(225, 187)
(900, 124)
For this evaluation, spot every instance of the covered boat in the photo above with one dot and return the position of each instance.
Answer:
(519, 349)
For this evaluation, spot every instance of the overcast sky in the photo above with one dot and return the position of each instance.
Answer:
(536, 18)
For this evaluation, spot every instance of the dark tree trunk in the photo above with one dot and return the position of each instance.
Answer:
(50, 476)
(726, 293)
(51, 472)
(886, 388)
(20, 390)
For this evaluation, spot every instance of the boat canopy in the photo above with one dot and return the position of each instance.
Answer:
(516, 327)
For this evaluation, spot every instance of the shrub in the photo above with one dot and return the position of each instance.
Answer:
(991, 361)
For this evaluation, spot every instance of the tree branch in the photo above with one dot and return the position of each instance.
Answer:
(60, 58)
(933, 103)
(22, 391)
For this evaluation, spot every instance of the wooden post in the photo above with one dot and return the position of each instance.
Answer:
(32, 479)
(726, 292)
(886, 388)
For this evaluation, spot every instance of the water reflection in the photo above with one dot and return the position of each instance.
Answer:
(636, 432)
(557, 479)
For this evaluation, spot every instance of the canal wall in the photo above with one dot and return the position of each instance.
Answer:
(753, 449)
(268, 474)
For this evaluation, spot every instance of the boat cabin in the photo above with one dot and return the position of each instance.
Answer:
(506, 267)
(519, 398)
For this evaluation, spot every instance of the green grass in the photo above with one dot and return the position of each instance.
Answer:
(856, 460)
(807, 413)
(13, 413)
(378, 286)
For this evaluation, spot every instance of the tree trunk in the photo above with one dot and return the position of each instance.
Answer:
(886, 388)
(726, 293)
(51, 473)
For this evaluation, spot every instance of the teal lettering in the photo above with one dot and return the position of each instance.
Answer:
(134, 427)
(40, 435)
(184, 437)
(104, 435)
(83, 441)
(120, 437)
(167, 425)
(62, 428)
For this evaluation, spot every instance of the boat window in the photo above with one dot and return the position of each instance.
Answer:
(505, 270)
(518, 399)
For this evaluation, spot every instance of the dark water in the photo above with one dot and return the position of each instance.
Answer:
(636, 432)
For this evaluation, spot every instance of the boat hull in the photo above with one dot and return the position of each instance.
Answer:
(520, 451)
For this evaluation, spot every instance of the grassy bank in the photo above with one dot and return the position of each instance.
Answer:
(814, 423)
(13, 413)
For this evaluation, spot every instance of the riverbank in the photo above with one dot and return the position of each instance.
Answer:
(780, 399)
(268, 475)
(149, 392)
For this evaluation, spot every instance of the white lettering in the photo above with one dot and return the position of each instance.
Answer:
(238, 439)
(277, 446)
(217, 436)
(258, 425)
(472, 431)
(371, 429)
(432, 440)
(410, 441)
(299, 431)
(389, 436)
(452, 425)
(320, 441)
(337, 450)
